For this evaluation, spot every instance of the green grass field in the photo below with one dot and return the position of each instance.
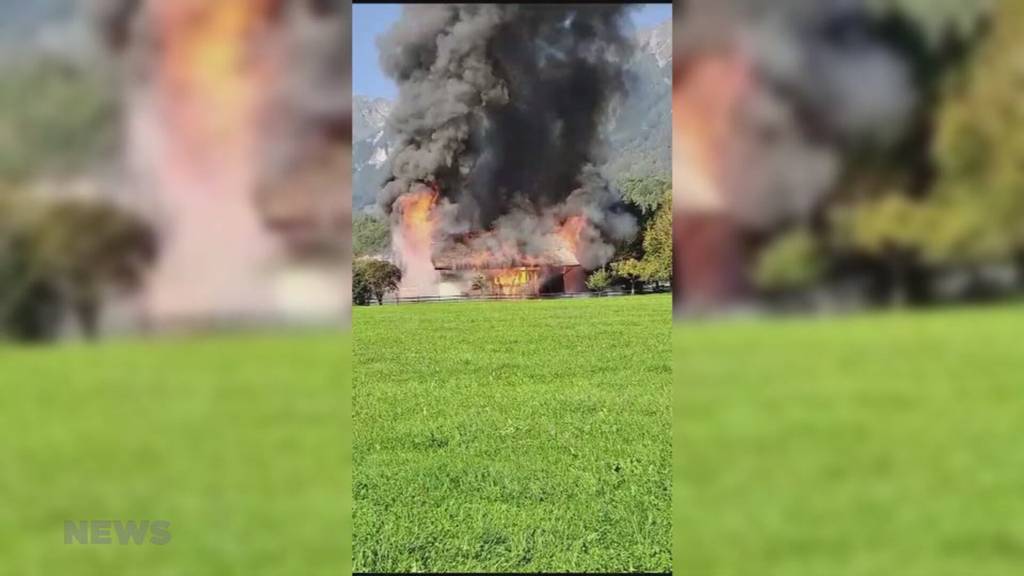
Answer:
(530, 436)
(240, 443)
(882, 444)
(513, 436)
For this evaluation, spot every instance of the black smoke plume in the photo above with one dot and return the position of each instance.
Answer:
(500, 109)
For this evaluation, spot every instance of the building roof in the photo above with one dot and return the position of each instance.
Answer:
(461, 256)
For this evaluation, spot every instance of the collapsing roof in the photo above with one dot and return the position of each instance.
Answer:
(460, 256)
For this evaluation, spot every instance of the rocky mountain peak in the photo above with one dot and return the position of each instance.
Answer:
(657, 41)
(369, 116)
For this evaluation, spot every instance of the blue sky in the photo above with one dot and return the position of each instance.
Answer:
(371, 20)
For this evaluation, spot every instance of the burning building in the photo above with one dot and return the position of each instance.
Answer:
(237, 122)
(493, 181)
(465, 271)
(491, 262)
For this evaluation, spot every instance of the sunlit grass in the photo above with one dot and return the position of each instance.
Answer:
(240, 443)
(513, 436)
(883, 444)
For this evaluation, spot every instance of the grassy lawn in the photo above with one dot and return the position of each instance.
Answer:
(884, 444)
(240, 443)
(513, 436)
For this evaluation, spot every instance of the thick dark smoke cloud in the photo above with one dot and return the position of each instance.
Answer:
(500, 107)
(823, 83)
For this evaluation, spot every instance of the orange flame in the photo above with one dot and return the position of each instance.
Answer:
(213, 79)
(196, 128)
(570, 232)
(417, 214)
(413, 240)
(706, 101)
(507, 269)
(514, 281)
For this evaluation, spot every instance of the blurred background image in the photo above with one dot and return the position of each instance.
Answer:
(174, 163)
(843, 155)
(859, 161)
(175, 183)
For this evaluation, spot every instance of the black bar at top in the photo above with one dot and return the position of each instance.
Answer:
(563, 2)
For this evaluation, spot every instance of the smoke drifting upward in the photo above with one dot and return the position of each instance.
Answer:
(499, 114)
(770, 97)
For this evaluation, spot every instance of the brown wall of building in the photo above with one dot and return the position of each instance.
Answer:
(575, 279)
(708, 261)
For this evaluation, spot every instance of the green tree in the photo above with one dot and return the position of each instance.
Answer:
(650, 261)
(657, 242)
(790, 263)
(88, 248)
(66, 255)
(371, 236)
(632, 271)
(373, 280)
(979, 145)
(30, 305)
(362, 295)
(892, 229)
(647, 194)
(644, 196)
(599, 280)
